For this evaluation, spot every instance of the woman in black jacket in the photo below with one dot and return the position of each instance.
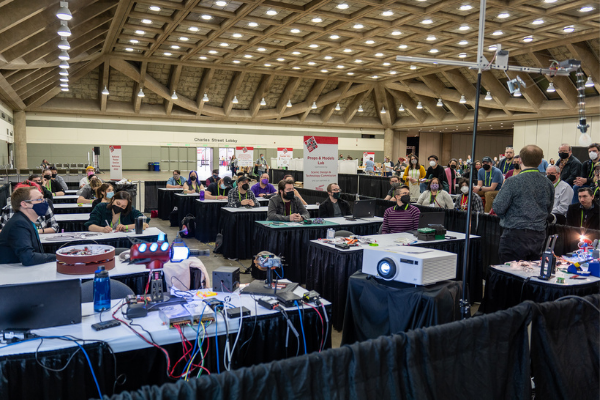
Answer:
(118, 215)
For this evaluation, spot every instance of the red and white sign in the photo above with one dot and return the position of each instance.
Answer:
(116, 163)
(245, 156)
(366, 156)
(320, 161)
(284, 156)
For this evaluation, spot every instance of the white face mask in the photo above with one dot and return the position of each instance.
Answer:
(432, 163)
(464, 189)
(593, 155)
(413, 161)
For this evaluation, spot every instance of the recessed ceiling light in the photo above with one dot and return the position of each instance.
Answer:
(462, 55)
(128, 49)
(259, 49)
(221, 3)
(175, 47)
(358, 61)
(503, 15)
(586, 9)
(343, 6)
(396, 33)
(295, 30)
(271, 12)
(340, 66)
(296, 53)
(334, 37)
(146, 21)
(324, 71)
(237, 35)
(569, 29)
(313, 46)
(167, 53)
(316, 20)
(403, 46)
(393, 72)
(312, 63)
(538, 21)
(202, 57)
(154, 8)
(427, 21)
(296, 68)
(139, 32)
(528, 39)
(497, 33)
(328, 58)
(247, 55)
(369, 42)
(347, 50)
(184, 39)
(224, 44)
(463, 42)
(431, 37)
(236, 61)
(464, 28)
(413, 67)
(549, 1)
(193, 29)
(253, 24)
(387, 13)
(358, 26)
(267, 65)
(281, 59)
(433, 51)
(375, 76)
(206, 17)
(350, 73)
(65, 89)
(134, 41)
(386, 64)
(213, 52)
(465, 7)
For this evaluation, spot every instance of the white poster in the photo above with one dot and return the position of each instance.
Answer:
(284, 155)
(116, 163)
(366, 156)
(245, 156)
(320, 162)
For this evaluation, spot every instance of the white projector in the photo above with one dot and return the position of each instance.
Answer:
(414, 265)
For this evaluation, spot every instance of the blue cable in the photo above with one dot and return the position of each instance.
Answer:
(217, 340)
(282, 272)
(301, 326)
(196, 343)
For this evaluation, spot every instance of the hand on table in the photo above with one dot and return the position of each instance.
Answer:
(120, 228)
(107, 229)
(296, 217)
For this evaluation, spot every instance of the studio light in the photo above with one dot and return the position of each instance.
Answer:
(289, 104)
(462, 99)
(63, 55)
(314, 105)
(205, 98)
(337, 107)
(382, 110)
(488, 96)
(551, 88)
(440, 103)
(401, 109)
(419, 106)
(63, 12)
(63, 72)
(235, 100)
(64, 29)
(360, 109)
(589, 82)
(64, 44)
(64, 65)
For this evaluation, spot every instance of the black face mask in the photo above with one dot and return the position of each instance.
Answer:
(288, 195)
(193, 178)
(54, 175)
(486, 166)
(552, 178)
(453, 166)
(336, 195)
(405, 199)
(245, 186)
(517, 166)
(117, 210)
(563, 155)
(47, 177)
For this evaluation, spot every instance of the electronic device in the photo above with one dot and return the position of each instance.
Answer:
(431, 218)
(268, 261)
(226, 279)
(312, 297)
(362, 209)
(288, 298)
(307, 222)
(235, 312)
(343, 246)
(408, 264)
(100, 326)
(136, 311)
(548, 264)
(214, 303)
(40, 305)
(200, 312)
(175, 315)
(268, 303)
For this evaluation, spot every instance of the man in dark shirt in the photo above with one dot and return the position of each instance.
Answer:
(570, 166)
(584, 214)
(333, 206)
(523, 206)
(586, 176)
(434, 171)
(394, 183)
(214, 178)
(218, 190)
(38, 180)
(507, 163)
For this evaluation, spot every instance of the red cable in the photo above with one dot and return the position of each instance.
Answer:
(322, 325)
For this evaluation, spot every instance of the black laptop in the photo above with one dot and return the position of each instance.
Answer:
(40, 305)
(431, 218)
(362, 209)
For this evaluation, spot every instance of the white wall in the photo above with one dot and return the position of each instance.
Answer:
(551, 133)
(6, 129)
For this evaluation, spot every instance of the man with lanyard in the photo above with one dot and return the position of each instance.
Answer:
(489, 182)
(395, 184)
(241, 195)
(523, 206)
(58, 178)
(261, 165)
(51, 184)
(570, 166)
(563, 193)
(218, 190)
(286, 206)
(584, 214)
(507, 163)
(586, 179)
(20, 240)
(175, 182)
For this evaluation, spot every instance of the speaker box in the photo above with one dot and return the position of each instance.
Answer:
(226, 279)
(97, 151)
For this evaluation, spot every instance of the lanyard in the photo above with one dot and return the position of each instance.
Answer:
(595, 191)
(485, 179)
(240, 196)
(530, 170)
(118, 222)
(505, 164)
(581, 224)
(430, 202)
(178, 181)
(218, 191)
(35, 228)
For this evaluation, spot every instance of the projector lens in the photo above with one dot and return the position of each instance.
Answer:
(386, 268)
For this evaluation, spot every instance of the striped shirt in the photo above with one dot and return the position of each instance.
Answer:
(397, 219)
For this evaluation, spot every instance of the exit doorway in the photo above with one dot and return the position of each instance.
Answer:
(225, 155)
(204, 162)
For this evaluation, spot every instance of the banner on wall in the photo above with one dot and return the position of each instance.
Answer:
(116, 163)
(320, 162)
(245, 156)
(284, 156)
(366, 156)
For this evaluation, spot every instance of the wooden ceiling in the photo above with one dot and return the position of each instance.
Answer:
(294, 53)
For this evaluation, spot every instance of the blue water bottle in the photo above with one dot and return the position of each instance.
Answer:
(101, 290)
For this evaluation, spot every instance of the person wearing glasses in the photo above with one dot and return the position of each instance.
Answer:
(286, 206)
(45, 223)
(20, 239)
(334, 206)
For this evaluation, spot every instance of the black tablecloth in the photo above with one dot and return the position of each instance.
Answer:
(376, 308)
(72, 226)
(328, 271)
(62, 200)
(292, 242)
(4, 194)
(186, 205)
(151, 194)
(504, 290)
(166, 202)
(72, 210)
(122, 242)
(208, 216)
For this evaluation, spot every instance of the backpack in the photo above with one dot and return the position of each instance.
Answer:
(173, 217)
(188, 224)
(218, 244)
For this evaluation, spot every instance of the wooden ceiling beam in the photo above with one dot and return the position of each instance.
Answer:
(263, 88)
(352, 108)
(234, 85)
(532, 93)
(139, 85)
(207, 76)
(103, 82)
(563, 85)
(313, 95)
(119, 20)
(409, 105)
(170, 5)
(382, 100)
(173, 82)
(589, 61)
(80, 42)
(286, 95)
(327, 112)
(499, 93)
(174, 22)
(18, 80)
(431, 105)
(20, 11)
(10, 95)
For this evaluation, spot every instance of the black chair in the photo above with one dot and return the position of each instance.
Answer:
(343, 233)
(118, 290)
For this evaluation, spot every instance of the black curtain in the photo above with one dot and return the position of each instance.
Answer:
(4, 194)
(277, 174)
(348, 183)
(151, 194)
(312, 196)
(374, 186)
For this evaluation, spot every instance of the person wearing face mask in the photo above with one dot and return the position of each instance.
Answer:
(523, 206)
(434, 171)
(45, 223)
(118, 215)
(552, 161)
(58, 178)
(241, 195)
(507, 163)
(103, 194)
(563, 193)
(570, 166)
(192, 185)
(175, 182)
(38, 181)
(233, 165)
(296, 193)
(395, 184)
(489, 182)
(20, 238)
(214, 178)
(219, 190)
(334, 206)
(451, 175)
(412, 174)
(584, 214)
(402, 217)
(435, 196)
(89, 172)
(51, 184)
(461, 203)
(286, 206)
(263, 188)
(586, 177)
(516, 167)
(88, 193)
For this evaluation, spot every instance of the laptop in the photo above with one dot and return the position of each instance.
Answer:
(40, 305)
(431, 218)
(362, 209)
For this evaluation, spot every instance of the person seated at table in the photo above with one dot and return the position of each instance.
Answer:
(38, 181)
(434, 171)
(516, 167)
(20, 240)
(462, 201)
(584, 214)
(103, 194)
(192, 185)
(218, 190)
(394, 183)
(286, 206)
(118, 215)
(263, 188)
(214, 178)
(402, 217)
(435, 196)
(296, 194)
(334, 206)
(87, 194)
(51, 184)
(563, 194)
(241, 195)
(175, 182)
(89, 172)
(58, 178)
(596, 183)
(45, 223)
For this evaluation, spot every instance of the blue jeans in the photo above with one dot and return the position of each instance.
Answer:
(423, 187)
(576, 194)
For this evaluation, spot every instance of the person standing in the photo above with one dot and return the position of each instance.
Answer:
(370, 166)
(586, 177)
(261, 165)
(452, 175)
(434, 171)
(489, 182)
(412, 175)
(523, 206)
(563, 193)
(570, 166)
(334, 206)
(233, 165)
(507, 163)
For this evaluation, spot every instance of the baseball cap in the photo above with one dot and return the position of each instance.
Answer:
(242, 179)
(227, 181)
(486, 159)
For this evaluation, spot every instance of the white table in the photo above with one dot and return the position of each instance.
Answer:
(71, 192)
(53, 241)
